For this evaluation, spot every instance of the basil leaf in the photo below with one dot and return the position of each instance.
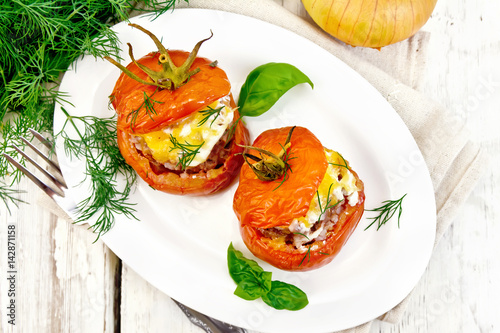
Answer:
(253, 283)
(265, 85)
(285, 296)
(241, 268)
(251, 289)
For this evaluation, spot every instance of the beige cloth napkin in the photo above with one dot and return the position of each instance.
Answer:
(455, 164)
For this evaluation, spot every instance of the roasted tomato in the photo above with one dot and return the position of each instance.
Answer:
(302, 219)
(177, 122)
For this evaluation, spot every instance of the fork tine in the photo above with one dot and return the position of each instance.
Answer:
(58, 183)
(41, 138)
(42, 155)
(47, 189)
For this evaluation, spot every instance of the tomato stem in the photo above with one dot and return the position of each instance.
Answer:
(170, 76)
(269, 166)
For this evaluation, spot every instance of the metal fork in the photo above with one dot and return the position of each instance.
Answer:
(208, 324)
(59, 195)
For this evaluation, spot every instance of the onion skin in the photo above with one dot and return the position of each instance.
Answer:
(370, 23)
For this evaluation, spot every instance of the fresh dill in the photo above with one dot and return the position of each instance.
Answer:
(344, 165)
(303, 235)
(156, 8)
(286, 159)
(232, 129)
(209, 113)
(40, 40)
(187, 151)
(149, 106)
(322, 210)
(97, 146)
(308, 254)
(386, 212)
(9, 194)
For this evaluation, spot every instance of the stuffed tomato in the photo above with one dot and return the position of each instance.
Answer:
(177, 121)
(298, 220)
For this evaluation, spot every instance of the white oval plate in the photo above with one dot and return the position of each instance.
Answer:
(179, 243)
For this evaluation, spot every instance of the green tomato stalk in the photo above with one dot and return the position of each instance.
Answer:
(170, 76)
(269, 166)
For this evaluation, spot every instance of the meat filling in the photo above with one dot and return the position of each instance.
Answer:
(218, 155)
(298, 237)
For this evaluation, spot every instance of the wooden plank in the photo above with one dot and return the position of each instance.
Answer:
(146, 309)
(67, 284)
(64, 283)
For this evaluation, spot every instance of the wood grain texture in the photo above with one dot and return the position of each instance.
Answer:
(64, 283)
(461, 39)
(146, 309)
(67, 284)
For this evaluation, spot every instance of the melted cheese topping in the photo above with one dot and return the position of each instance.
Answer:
(337, 183)
(191, 131)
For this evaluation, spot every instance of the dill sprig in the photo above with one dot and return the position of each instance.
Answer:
(149, 106)
(322, 210)
(386, 212)
(341, 165)
(286, 159)
(40, 39)
(8, 194)
(209, 113)
(97, 146)
(187, 151)
(232, 129)
(157, 8)
(308, 254)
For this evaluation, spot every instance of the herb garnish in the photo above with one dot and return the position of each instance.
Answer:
(187, 151)
(209, 113)
(269, 166)
(40, 39)
(253, 283)
(386, 212)
(323, 210)
(340, 165)
(308, 254)
(286, 159)
(8, 194)
(96, 145)
(264, 86)
(149, 107)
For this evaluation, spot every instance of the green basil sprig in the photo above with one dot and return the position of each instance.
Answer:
(253, 282)
(265, 85)
(285, 296)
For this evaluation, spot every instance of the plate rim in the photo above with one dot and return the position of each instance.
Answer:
(188, 303)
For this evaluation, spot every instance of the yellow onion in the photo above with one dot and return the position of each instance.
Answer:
(370, 23)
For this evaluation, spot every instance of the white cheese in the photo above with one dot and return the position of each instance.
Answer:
(337, 184)
(197, 133)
